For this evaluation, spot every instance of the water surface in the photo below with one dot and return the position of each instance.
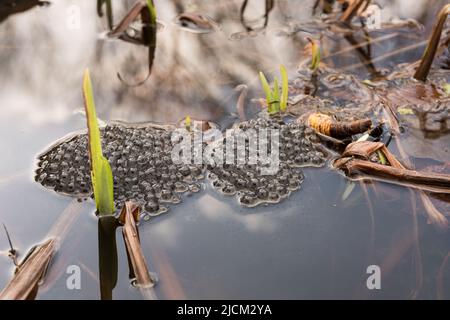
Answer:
(312, 245)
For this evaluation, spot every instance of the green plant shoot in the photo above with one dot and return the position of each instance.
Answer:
(276, 96)
(284, 88)
(446, 88)
(267, 91)
(275, 102)
(152, 9)
(101, 174)
(382, 157)
(187, 123)
(315, 53)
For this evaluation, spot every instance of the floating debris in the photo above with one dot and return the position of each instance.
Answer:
(196, 23)
(196, 125)
(241, 35)
(362, 160)
(327, 125)
(331, 91)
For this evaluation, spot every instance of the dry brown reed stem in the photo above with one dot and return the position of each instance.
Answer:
(354, 162)
(31, 271)
(432, 182)
(327, 125)
(386, 55)
(354, 7)
(128, 217)
(434, 215)
(240, 105)
(431, 49)
(128, 19)
(25, 282)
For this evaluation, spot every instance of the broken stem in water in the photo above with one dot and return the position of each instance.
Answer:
(32, 269)
(147, 11)
(240, 105)
(12, 253)
(129, 216)
(353, 9)
(433, 182)
(29, 273)
(128, 19)
(109, 14)
(431, 49)
(354, 161)
(269, 5)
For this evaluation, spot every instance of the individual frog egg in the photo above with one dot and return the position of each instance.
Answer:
(262, 193)
(180, 187)
(241, 183)
(273, 196)
(152, 207)
(166, 194)
(247, 200)
(282, 191)
(228, 189)
(294, 184)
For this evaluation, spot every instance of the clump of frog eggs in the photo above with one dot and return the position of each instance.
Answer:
(141, 164)
(143, 170)
(297, 147)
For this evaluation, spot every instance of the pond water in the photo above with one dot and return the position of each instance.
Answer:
(316, 244)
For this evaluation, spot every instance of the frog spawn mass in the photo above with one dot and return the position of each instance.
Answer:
(296, 147)
(141, 164)
(144, 172)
